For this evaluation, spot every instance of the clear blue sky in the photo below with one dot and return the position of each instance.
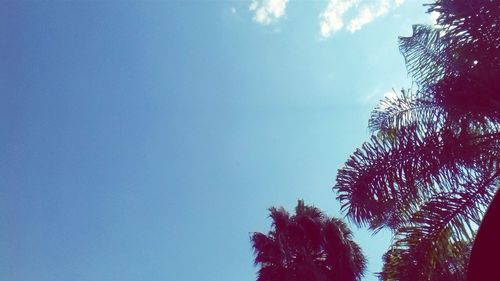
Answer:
(145, 140)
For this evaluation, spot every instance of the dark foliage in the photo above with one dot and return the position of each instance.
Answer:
(307, 246)
(432, 164)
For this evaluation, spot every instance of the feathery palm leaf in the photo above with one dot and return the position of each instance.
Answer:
(425, 55)
(409, 259)
(408, 109)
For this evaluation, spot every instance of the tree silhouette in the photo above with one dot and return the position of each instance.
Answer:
(307, 246)
(432, 164)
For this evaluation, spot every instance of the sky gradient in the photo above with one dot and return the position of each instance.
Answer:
(144, 140)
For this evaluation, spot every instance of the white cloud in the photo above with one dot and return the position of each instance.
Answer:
(367, 13)
(233, 10)
(268, 11)
(331, 17)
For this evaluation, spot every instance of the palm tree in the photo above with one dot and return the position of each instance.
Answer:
(307, 246)
(432, 164)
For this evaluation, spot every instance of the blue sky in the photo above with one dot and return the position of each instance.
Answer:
(145, 140)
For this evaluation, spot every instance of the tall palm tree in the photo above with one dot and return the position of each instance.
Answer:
(307, 246)
(432, 164)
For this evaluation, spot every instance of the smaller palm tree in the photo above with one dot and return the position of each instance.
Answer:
(307, 246)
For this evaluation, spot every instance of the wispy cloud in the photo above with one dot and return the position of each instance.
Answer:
(268, 11)
(367, 13)
(332, 18)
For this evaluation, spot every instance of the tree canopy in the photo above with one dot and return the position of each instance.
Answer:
(307, 246)
(431, 166)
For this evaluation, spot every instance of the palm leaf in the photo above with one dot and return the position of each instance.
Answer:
(407, 109)
(387, 176)
(424, 54)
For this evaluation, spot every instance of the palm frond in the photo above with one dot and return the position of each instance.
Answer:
(406, 109)
(469, 44)
(424, 54)
(438, 260)
(433, 244)
(267, 251)
(467, 22)
(387, 176)
(384, 182)
(459, 211)
(280, 218)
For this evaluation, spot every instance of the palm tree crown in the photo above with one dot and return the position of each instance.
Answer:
(307, 246)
